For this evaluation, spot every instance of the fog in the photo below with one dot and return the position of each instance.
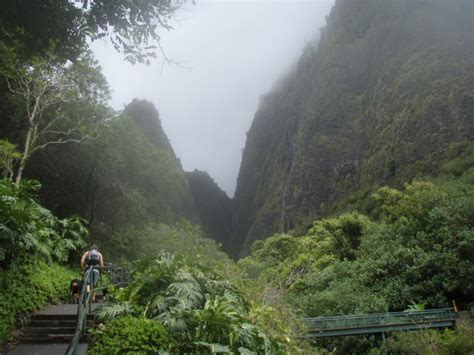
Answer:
(229, 53)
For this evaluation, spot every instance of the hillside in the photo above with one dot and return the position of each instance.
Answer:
(384, 97)
(214, 207)
(126, 177)
(355, 196)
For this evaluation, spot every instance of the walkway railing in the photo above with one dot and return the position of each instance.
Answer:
(118, 276)
(83, 308)
(379, 322)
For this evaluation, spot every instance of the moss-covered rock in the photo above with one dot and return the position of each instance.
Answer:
(387, 91)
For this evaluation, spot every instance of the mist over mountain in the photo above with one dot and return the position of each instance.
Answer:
(384, 97)
(223, 54)
(354, 200)
(127, 178)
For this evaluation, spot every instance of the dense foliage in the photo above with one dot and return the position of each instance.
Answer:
(29, 231)
(398, 263)
(116, 170)
(410, 247)
(31, 238)
(148, 240)
(55, 103)
(29, 288)
(200, 310)
(115, 187)
(131, 335)
(459, 341)
(65, 26)
(378, 100)
(386, 96)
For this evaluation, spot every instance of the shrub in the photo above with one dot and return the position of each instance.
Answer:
(28, 230)
(450, 342)
(131, 335)
(200, 309)
(30, 288)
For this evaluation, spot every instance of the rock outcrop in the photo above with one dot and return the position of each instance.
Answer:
(381, 98)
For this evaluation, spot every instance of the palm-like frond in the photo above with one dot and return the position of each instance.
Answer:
(213, 347)
(187, 290)
(111, 311)
(28, 229)
(195, 305)
(175, 321)
(157, 306)
(252, 337)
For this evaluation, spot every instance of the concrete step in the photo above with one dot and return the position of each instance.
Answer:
(48, 330)
(46, 349)
(57, 323)
(52, 339)
(65, 317)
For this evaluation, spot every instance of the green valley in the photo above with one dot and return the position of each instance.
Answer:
(355, 194)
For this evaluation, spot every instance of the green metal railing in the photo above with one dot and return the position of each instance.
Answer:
(118, 276)
(379, 322)
(83, 308)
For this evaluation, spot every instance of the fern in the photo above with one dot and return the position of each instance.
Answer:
(187, 289)
(29, 230)
(111, 311)
(201, 311)
(213, 347)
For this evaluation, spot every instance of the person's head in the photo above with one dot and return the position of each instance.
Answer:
(94, 247)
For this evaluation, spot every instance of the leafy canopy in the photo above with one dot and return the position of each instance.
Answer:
(201, 311)
(28, 231)
(415, 247)
(65, 26)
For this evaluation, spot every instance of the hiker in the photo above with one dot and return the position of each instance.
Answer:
(91, 261)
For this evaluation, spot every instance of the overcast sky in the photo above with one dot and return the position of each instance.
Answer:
(232, 52)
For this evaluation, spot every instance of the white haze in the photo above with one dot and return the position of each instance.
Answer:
(230, 53)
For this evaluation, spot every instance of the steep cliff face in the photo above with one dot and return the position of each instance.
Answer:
(214, 208)
(388, 89)
(146, 116)
(163, 181)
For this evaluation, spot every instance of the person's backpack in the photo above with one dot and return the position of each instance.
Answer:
(93, 258)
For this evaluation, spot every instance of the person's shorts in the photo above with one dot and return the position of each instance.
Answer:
(95, 277)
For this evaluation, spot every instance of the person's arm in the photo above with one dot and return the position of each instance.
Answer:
(101, 260)
(83, 260)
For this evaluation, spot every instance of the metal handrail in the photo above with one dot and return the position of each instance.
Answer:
(118, 276)
(321, 323)
(85, 304)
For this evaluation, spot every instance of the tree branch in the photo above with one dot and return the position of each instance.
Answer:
(61, 141)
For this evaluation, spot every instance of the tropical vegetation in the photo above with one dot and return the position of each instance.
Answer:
(361, 162)
(399, 249)
(29, 288)
(200, 310)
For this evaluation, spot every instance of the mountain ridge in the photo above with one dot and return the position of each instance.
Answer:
(387, 91)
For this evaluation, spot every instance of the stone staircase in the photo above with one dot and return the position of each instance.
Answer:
(53, 328)
(50, 331)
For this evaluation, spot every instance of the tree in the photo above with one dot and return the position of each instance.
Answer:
(44, 92)
(64, 26)
(8, 154)
(29, 231)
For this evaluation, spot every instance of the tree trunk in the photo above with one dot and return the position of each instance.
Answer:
(24, 157)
